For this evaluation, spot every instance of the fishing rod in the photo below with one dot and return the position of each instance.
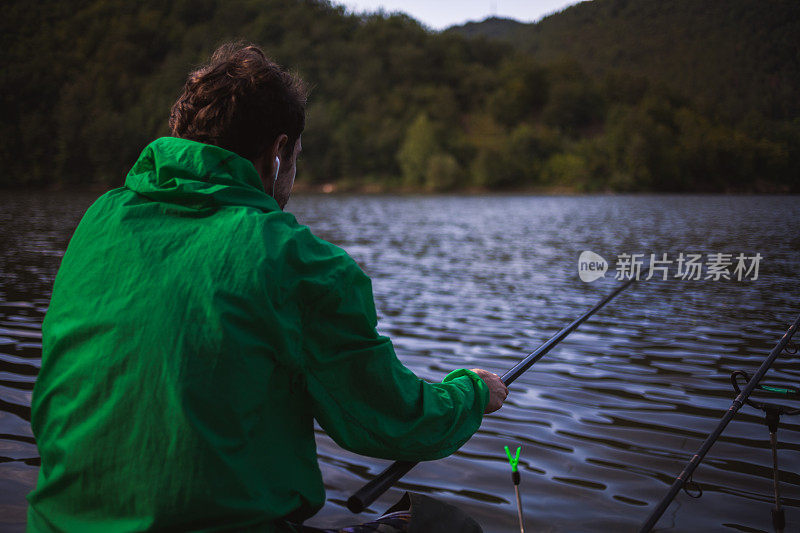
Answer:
(685, 476)
(367, 494)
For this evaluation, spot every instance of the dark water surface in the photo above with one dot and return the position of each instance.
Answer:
(605, 421)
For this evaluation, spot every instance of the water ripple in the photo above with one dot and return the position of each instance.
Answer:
(605, 421)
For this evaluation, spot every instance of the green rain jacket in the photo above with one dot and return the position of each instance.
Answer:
(194, 334)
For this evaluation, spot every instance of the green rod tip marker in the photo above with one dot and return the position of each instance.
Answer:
(514, 461)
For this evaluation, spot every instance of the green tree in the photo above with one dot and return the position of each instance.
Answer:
(443, 172)
(420, 144)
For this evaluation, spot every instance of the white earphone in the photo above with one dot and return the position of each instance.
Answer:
(277, 168)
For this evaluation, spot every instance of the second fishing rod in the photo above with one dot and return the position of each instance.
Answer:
(684, 478)
(372, 490)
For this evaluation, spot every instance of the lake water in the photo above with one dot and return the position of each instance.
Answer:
(605, 421)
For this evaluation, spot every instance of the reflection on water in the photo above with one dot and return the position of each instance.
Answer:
(605, 420)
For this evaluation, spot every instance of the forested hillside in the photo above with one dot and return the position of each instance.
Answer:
(739, 56)
(86, 85)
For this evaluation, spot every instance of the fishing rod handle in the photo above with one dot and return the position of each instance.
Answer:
(378, 485)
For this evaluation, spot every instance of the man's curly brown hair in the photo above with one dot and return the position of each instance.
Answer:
(241, 101)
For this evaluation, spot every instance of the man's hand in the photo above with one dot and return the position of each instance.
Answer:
(497, 390)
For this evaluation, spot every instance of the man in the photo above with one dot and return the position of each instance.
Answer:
(196, 331)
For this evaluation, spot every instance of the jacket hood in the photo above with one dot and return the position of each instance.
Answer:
(196, 176)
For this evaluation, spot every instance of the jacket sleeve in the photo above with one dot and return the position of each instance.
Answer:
(364, 397)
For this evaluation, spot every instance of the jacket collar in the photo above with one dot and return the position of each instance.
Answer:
(196, 176)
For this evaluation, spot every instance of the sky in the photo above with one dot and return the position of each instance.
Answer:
(439, 14)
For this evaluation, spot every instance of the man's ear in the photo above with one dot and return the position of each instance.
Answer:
(277, 148)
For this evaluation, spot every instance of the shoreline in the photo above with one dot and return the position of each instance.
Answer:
(339, 189)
